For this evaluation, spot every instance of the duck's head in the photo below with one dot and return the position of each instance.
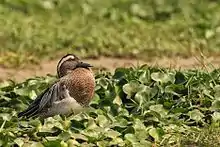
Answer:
(68, 63)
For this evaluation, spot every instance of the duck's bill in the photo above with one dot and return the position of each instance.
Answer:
(85, 65)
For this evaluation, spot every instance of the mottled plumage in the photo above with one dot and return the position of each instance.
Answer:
(69, 94)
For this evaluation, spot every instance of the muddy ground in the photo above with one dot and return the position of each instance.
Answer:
(49, 67)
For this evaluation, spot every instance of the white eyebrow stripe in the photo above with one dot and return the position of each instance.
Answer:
(65, 59)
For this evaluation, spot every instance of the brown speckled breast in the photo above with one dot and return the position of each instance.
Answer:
(81, 85)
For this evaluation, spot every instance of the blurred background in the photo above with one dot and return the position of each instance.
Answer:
(36, 30)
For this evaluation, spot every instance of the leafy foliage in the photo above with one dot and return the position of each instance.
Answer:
(33, 29)
(138, 106)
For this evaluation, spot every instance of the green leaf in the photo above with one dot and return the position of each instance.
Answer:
(142, 96)
(145, 77)
(174, 89)
(163, 77)
(95, 99)
(117, 142)
(141, 131)
(5, 116)
(26, 92)
(145, 94)
(159, 109)
(53, 143)
(117, 100)
(72, 143)
(145, 143)
(155, 133)
(215, 105)
(216, 116)
(64, 136)
(180, 78)
(102, 121)
(112, 134)
(79, 136)
(138, 125)
(103, 143)
(37, 144)
(131, 88)
(195, 115)
(131, 138)
(119, 73)
(19, 142)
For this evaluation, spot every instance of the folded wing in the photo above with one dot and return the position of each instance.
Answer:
(43, 101)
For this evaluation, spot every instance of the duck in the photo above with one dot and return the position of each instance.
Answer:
(71, 93)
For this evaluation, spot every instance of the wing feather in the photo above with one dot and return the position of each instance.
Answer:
(43, 101)
(47, 98)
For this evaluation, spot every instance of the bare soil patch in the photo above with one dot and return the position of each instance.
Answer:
(49, 67)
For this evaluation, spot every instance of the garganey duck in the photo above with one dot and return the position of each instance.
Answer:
(71, 93)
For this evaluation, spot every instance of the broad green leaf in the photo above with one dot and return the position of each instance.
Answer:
(92, 124)
(195, 115)
(144, 94)
(155, 134)
(64, 136)
(72, 143)
(131, 138)
(112, 134)
(216, 116)
(97, 87)
(19, 142)
(138, 125)
(103, 143)
(117, 141)
(95, 99)
(141, 131)
(141, 96)
(145, 77)
(94, 134)
(36, 144)
(102, 121)
(180, 78)
(117, 100)
(146, 143)
(215, 105)
(163, 77)
(131, 88)
(119, 73)
(79, 136)
(5, 116)
(52, 143)
(159, 109)
(174, 89)
(26, 92)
